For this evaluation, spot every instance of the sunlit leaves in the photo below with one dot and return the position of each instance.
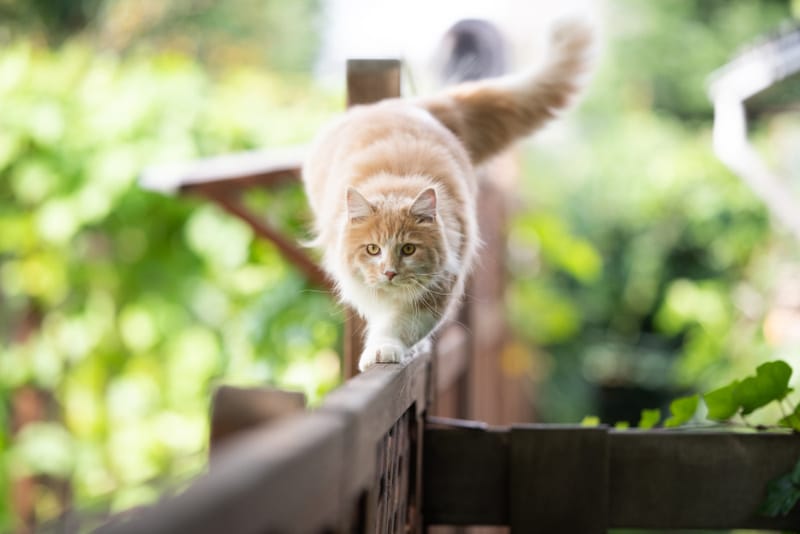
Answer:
(721, 403)
(549, 235)
(649, 418)
(791, 420)
(770, 383)
(144, 300)
(44, 448)
(541, 313)
(682, 410)
(590, 421)
(221, 240)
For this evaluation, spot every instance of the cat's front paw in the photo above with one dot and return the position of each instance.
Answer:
(386, 352)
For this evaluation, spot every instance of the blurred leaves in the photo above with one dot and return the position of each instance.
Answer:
(636, 246)
(682, 411)
(769, 384)
(782, 494)
(649, 418)
(128, 305)
(274, 33)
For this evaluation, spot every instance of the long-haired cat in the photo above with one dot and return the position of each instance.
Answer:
(392, 187)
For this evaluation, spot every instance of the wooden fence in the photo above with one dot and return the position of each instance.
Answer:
(373, 458)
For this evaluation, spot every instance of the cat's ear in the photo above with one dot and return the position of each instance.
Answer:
(358, 207)
(424, 206)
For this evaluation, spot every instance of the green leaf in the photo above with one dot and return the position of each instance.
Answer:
(782, 494)
(590, 420)
(622, 425)
(649, 418)
(792, 420)
(721, 403)
(771, 383)
(682, 410)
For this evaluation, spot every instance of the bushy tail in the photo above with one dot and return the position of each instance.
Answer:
(489, 115)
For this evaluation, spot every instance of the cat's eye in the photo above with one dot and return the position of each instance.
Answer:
(408, 249)
(373, 250)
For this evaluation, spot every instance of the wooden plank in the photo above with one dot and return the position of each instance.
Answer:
(234, 410)
(495, 396)
(465, 475)
(663, 479)
(451, 356)
(558, 479)
(353, 342)
(230, 171)
(263, 481)
(371, 403)
(655, 479)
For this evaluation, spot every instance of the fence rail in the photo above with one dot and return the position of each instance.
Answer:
(353, 464)
(556, 478)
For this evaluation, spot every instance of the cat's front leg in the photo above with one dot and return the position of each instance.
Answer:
(382, 345)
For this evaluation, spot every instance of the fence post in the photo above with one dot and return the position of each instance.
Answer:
(368, 81)
(497, 395)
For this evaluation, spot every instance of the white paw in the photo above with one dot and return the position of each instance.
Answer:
(386, 352)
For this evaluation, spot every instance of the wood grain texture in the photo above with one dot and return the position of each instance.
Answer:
(591, 479)
(234, 410)
(266, 480)
(663, 479)
(465, 476)
(228, 172)
(558, 479)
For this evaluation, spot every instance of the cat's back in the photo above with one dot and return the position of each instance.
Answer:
(393, 136)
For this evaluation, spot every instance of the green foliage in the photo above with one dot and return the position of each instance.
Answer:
(721, 402)
(649, 419)
(129, 305)
(590, 420)
(792, 420)
(630, 264)
(769, 384)
(682, 411)
(275, 33)
(783, 494)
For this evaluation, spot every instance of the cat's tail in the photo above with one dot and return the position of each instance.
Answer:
(489, 115)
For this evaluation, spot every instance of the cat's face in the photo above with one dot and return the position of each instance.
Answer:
(394, 247)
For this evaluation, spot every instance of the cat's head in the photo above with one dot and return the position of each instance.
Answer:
(394, 244)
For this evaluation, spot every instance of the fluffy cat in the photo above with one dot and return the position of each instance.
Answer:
(392, 186)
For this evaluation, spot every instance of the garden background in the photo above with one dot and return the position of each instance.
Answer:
(641, 268)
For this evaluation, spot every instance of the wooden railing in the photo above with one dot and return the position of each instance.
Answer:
(373, 458)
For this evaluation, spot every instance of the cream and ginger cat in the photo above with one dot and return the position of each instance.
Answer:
(392, 187)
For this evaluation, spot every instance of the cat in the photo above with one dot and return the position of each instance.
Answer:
(392, 187)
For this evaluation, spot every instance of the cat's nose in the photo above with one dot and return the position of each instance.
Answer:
(390, 274)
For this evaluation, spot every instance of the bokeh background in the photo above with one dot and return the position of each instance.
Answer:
(640, 267)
